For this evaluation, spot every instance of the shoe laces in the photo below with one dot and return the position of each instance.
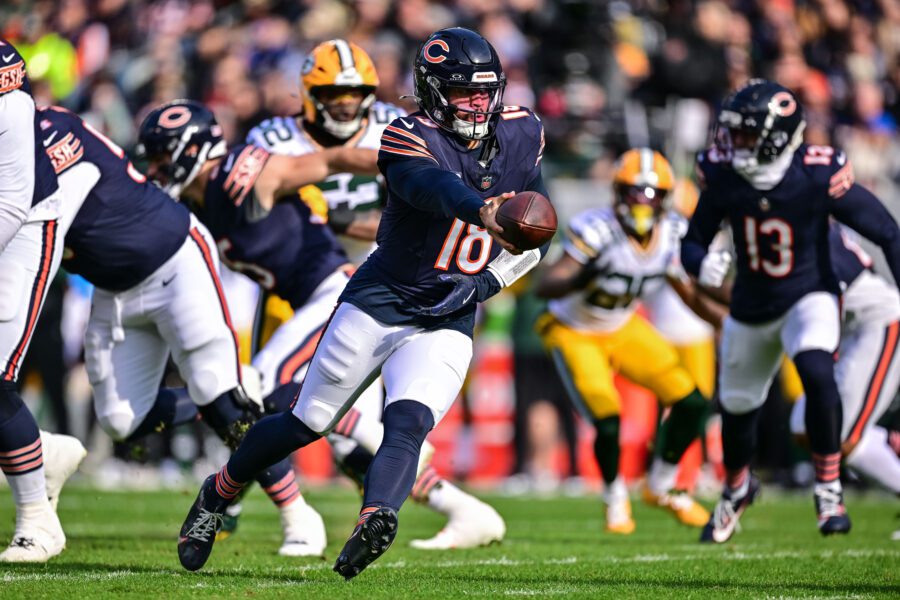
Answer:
(724, 513)
(829, 503)
(205, 525)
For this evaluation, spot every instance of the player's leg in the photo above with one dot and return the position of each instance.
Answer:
(193, 317)
(422, 376)
(868, 373)
(810, 337)
(583, 366)
(646, 358)
(27, 265)
(345, 363)
(749, 358)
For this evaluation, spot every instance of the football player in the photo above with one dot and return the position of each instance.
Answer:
(36, 464)
(868, 365)
(613, 257)
(157, 290)
(339, 109)
(408, 311)
(778, 193)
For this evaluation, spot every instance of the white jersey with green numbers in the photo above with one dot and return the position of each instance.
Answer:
(285, 136)
(624, 270)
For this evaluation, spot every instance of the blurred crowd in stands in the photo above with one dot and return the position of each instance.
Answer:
(603, 75)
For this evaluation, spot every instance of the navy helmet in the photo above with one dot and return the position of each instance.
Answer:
(767, 117)
(177, 139)
(459, 58)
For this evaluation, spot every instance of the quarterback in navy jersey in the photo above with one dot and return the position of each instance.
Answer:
(407, 313)
(30, 253)
(778, 193)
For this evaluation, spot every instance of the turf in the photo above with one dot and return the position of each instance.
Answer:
(123, 545)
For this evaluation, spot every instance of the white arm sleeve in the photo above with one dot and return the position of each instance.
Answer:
(507, 268)
(16, 162)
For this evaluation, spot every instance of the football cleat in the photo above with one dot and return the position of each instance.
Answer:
(679, 503)
(728, 511)
(62, 456)
(830, 510)
(304, 530)
(372, 537)
(475, 524)
(203, 522)
(38, 536)
(618, 516)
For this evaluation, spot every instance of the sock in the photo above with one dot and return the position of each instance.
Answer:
(606, 447)
(445, 498)
(281, 399)
(875, 459)
(393, 471)
(827, 466)
(738, 440)
(270, 440)
(737, 482)
(615, 491)
(824, 412)
(173, 407)
(661, 478)
(280, 483)
(365, 431)
(681, 427)
(21, 455)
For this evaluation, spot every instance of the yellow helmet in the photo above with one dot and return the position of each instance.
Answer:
(337, 64)
(641, 185)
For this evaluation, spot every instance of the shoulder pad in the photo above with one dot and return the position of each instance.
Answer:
(269, 134)
(830, 166)
(405, 137)
(383, 113)
(12, 69)
(60, 136)
(589, 233)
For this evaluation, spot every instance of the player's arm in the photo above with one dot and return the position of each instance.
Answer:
(703, 305)
(862, 211)
(360, 225)
(16, 162)
(286, 174)
(710, 268)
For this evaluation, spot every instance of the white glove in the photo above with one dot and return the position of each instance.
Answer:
(714, 268)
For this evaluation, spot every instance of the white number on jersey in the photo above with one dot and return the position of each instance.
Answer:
(783, 245)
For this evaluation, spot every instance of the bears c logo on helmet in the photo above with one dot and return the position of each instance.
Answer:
(175, 116)
(439, 58)
(783, 104)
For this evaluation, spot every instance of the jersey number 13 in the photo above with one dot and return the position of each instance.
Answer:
(779, 236)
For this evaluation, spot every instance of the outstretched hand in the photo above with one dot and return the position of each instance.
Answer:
(488, 214)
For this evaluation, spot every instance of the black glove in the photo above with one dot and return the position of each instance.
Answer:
(467, 289)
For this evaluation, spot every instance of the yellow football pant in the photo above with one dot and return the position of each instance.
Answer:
(587, 362)
(699, 359)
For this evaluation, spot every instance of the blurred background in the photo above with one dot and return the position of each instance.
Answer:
(603, 75)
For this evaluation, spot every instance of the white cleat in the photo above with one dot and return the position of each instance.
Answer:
(38, 536)
(304, 530)
(473, 525)
(62, 455)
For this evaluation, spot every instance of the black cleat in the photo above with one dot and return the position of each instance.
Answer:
(370, 539)
(203, 522)
(830, 510)
(728, 511)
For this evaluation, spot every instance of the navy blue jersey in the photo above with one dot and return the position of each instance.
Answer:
(848, 259)
(126, 228)
(13, 77)
(781, 235)
(430, 225)
(282, 250)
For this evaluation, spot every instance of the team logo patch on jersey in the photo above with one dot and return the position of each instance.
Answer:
(65, 153)
(12, 77)
(764, 204)
(487, 181)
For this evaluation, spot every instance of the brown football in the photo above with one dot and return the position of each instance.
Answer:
(528, 220)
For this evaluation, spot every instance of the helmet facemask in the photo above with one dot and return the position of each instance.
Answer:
(638, 207)
(178, 160)
(470, 123)
(336, 125)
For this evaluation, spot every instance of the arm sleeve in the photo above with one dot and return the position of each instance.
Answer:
(17, 153)
(863, 212)
(430, 188)
(702, 229)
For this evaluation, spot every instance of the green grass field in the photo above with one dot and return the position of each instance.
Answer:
(123, 544)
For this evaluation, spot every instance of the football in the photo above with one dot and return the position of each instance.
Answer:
(528, 220)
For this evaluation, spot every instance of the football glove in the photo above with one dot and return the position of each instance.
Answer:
(467, 289)
(714, 268)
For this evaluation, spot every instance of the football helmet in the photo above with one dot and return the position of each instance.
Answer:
(461, 59)
(177, 139)
(757, 124)
(641, 185)
(337, 65)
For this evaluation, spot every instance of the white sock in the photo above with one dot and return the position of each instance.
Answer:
(28, 488)
(831, 486)
(661, 478)
(446, 498)
(615, 491)
(873, 458)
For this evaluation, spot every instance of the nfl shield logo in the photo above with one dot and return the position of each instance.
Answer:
(487, 181)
